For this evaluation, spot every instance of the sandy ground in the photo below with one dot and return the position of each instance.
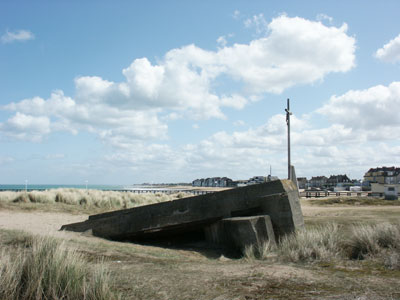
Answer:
(42, 223)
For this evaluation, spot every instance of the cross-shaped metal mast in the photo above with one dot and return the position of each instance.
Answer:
(288, 113)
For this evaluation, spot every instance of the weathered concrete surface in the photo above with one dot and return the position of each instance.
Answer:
(278, 199)
(239, 232)
(293, 176)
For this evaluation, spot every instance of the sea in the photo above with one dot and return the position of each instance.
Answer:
(42, 187)
(132, 188)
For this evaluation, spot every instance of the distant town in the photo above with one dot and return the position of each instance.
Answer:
(376, 180)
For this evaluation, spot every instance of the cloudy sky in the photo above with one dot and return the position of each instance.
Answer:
(122, 92)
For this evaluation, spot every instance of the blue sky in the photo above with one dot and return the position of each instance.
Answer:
(121, 92)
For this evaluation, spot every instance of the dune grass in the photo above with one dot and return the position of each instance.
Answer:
(318, 243)
(42, 268)
(379, 242)
(86, 200)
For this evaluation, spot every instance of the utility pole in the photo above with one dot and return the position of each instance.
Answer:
(288, 113)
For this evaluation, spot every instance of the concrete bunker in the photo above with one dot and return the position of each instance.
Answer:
(230, 219)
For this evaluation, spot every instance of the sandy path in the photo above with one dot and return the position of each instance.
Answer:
(43, 223)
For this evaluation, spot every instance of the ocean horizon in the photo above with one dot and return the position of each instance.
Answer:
(30, 187)
(102, 187)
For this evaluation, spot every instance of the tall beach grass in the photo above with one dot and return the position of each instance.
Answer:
(380, 242)
(45, 269)
(87, 198)
(319, 243)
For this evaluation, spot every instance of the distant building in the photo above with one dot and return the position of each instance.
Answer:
(391, 192)
(257, 179)
(213, 182)
(355, 188)
(335, 180)
(197, 182)
(383, 175)
(379, 189)
(318, 181)
(383, 180)
(240, 183)
(227, 182)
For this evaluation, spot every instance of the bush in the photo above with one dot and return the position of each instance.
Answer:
(46, 270)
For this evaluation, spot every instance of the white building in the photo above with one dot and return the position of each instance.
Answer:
(391, 192)
(379, 189)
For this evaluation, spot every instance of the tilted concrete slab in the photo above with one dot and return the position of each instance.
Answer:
(240, 232)
(278, 199)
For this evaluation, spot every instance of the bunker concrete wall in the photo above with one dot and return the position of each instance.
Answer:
(278, 199)
(237, 233)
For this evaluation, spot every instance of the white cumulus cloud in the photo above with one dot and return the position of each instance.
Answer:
(295, 51)
(26, 127)
(390, 52)
(344, 146)
(112, 124)
(185, 83)
(17, 36)
(375, 110)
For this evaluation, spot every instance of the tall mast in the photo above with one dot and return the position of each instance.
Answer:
(288, 113)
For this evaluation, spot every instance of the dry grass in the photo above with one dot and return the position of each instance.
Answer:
(44, 269)
(379, 243)
(352, 201)
(318, 243)
(85, 200)
(148, 272)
